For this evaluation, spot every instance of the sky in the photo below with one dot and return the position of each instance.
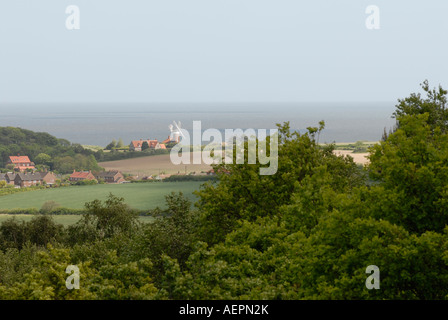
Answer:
(147, 51)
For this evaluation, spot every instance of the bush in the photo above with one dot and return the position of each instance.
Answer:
(85, 183)
(174, 178)
(49, 206)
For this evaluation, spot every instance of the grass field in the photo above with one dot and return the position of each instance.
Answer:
(60, 219)
(152, 165)
(138, 195)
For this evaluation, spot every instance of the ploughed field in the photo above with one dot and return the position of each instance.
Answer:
(140, 196)
(153, 165)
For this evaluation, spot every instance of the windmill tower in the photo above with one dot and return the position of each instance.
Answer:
(175, 132)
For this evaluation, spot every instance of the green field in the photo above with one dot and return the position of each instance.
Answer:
(65, 220)
(140, 196)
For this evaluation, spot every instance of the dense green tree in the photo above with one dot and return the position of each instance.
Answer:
(104, 220)
(434, 104)
(111, 280)
(411, 166)
(173, 233)
(40, 231)
(43, 158)
(145, 146)
(41, 148)
(242, 193)
(111, 145)
(307, 232)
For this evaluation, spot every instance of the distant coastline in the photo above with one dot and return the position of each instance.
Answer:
(98, 124)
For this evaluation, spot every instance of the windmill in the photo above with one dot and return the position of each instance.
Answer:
(176, 131)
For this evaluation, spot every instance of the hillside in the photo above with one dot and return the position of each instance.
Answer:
(45, 150)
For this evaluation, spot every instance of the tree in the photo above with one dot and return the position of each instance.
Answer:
(49, 206)
(111, 145)
(43, 158)
(40, 231)
(359, 147)
(145, 146)
(435, 105)
(410, 165)
(108, 280)
(173, 233)
(120, 143)
(104, 220)
(242, 193)
(411, 168)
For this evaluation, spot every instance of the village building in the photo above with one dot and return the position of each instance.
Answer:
(136, 145)
(81, 176)
(168, 140)
(48, 177)
(21, 163)
(175, 137)
(113, 176)
(26, 179)
(8, 177)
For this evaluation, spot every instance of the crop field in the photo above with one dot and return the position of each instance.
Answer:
(140, 196)
(152, 165)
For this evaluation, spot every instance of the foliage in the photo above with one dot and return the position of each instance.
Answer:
(104, 220)
(38, 145)
(43, 158)
(112, 280)
(85, 182)
(40, 231)
(173, 234)
(10, 189)
(111, 145)
(412, 168)
(49, 206)
(77, 162)
(173, 178)
(245, 194)
(145, 145)
(434, 105)
(307, 232)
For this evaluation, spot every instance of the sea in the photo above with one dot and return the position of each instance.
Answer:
(100, 123)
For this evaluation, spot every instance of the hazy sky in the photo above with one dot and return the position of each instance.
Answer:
(220, 50)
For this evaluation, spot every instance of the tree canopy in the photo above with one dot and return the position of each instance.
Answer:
(307, 232)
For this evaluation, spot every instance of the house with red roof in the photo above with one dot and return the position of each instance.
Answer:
(81, 175)
(171, 139)
(21, 163)
(168, 140)
(136, 145)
